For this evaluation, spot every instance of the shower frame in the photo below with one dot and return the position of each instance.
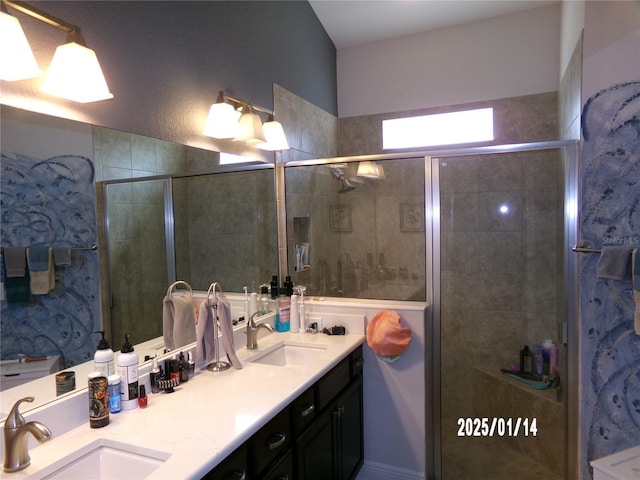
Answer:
(433, 448)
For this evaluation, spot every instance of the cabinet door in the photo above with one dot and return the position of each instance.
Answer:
(350, 430)
(234, 467)
(283, 469)
(315, 449)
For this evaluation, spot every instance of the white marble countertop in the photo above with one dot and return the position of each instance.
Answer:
(205, 419)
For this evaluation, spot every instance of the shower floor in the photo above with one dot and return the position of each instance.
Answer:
(486, 459)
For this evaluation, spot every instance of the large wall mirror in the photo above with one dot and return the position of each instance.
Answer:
(150, 206)
(215, 227)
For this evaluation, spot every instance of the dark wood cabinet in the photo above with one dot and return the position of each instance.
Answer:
(319, 436)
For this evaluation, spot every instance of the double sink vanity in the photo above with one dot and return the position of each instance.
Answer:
(294, 410)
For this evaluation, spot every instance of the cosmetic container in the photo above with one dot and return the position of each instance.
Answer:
(98, 389)
(128, 367)
(183, 368)
(191, 365)
(114, 393)
(155, 375)
(142, 397)
(526, 360)
(537, 360)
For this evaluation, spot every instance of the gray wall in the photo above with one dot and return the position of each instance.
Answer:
(166, 61)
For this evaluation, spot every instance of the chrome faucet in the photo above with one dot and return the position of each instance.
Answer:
(16, 451)
(252, 331)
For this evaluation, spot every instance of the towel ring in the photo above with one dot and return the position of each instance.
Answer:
(175, 284)
(212, 289)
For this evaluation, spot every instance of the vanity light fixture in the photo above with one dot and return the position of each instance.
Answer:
(74, 72)
(17, 61)
(274, 133)
(369, 169)
(232, 118)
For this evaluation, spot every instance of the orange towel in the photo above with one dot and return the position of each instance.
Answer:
(387, 336)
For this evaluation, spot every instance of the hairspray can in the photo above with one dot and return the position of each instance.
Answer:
(98, 400)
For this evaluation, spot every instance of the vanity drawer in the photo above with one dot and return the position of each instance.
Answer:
(332, 383)
(270, 442)
(234, 467)
(303, 411)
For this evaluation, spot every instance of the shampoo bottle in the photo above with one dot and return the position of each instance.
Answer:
(103, 358)
(128, 366)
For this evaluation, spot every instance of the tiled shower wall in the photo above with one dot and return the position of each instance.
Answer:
(219, 218)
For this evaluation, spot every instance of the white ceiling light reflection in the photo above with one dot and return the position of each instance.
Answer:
(504, 209)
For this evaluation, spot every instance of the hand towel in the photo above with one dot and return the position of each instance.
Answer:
(217, 304)
(226, 330)
(41, 270)
(615, 264)
(387, 336)
(635, 255)
(178, 321)
(16, 288)
(62, 256)
(205, 341)
(15, 261)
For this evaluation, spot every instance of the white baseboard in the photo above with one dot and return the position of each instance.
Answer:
(381, 471)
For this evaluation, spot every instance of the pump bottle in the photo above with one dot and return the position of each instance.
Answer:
(103, 358)
(128, 366)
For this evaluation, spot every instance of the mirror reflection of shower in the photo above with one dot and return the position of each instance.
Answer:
(345, 184)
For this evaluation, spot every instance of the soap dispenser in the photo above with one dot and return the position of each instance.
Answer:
(128, 366)
(103, 357)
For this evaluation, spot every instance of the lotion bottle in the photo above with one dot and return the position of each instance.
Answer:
(103, 359)
(128, 366)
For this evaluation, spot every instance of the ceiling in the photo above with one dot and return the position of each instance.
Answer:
(354, 22)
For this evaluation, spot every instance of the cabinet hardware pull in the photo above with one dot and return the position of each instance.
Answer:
(359, 362)
(307, 411)
(237, 474)
(276, 440)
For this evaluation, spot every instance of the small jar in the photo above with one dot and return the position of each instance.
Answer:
(114, 393)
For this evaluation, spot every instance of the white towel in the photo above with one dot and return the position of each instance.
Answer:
(41, 272)
(178, 321)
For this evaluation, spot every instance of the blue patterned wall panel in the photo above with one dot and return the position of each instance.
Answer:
(610, 215)
(52, 203)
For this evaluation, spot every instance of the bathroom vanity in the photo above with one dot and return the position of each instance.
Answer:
(319, 435)
(288, 409)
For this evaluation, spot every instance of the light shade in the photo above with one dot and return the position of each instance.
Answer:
(250, 128)
(274, 133)
(222, 121)
(75, 74)
(16, 58)
(370, 170)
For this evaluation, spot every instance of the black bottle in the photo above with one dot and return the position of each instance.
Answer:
(526, 360)
(183, 368)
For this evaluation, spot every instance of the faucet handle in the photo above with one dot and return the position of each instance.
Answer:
(15, 418)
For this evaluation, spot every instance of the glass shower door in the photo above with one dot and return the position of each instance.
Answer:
(499, 241)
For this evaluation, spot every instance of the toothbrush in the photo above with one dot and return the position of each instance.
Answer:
(246, 305)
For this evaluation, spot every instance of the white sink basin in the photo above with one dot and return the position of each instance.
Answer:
(105, 459)
(289, 353)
